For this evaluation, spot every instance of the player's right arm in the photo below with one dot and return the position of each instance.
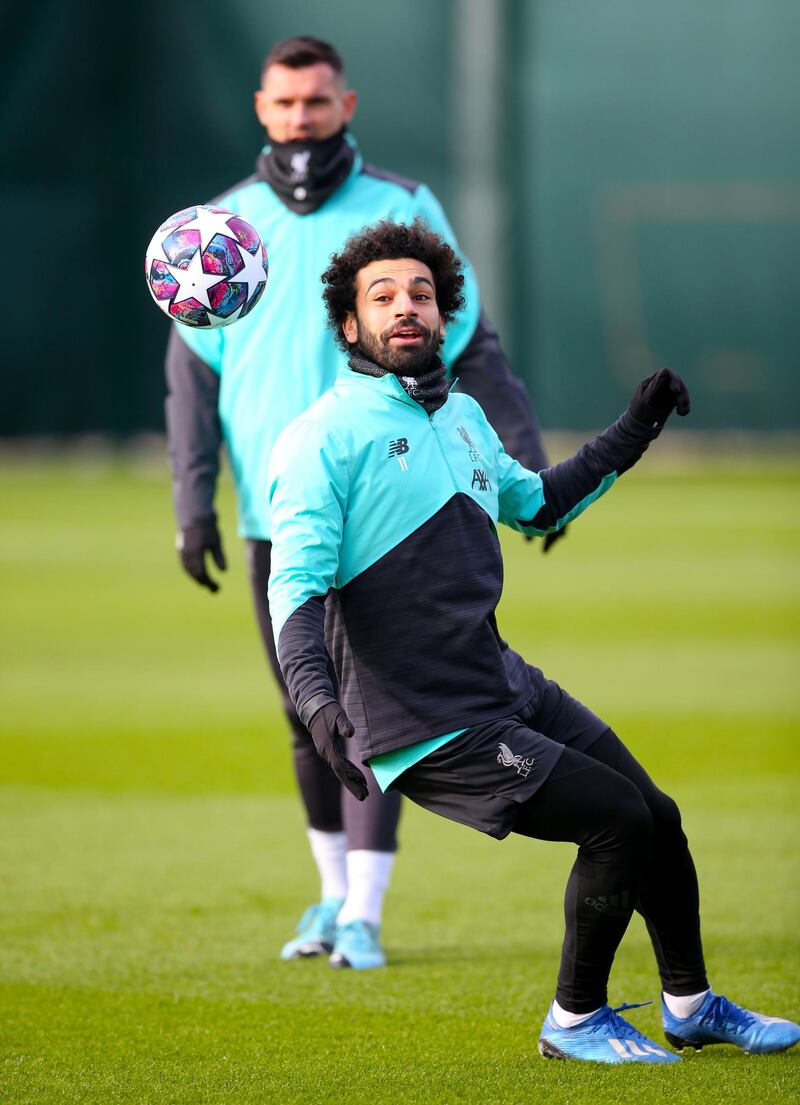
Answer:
(543, 502)
(308, 489)
(194, 436)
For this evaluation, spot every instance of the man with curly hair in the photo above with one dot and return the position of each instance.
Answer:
(240, 385)
(385, 497)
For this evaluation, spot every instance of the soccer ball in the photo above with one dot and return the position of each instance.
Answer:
(206, 267)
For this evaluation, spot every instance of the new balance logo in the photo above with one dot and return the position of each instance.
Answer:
(397, 449)
(507, 758)
(628, 1049)
(481, 480)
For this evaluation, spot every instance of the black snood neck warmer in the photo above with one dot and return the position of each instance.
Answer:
(306, 172)
(430, 390)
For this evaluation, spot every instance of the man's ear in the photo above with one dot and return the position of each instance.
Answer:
(349, 103)
(350, 327)
(442, 333)
(260, 103)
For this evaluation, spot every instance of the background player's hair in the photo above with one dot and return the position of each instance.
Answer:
(301, 51)
(388, 241)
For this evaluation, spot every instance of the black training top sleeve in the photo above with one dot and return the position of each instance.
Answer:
(484, 373)
(194, 432)
(304, 659)
(543, 502)
(308, 485)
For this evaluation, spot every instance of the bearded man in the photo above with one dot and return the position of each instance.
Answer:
(385, 498)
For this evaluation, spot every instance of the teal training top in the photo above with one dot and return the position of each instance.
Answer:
(386, 559)
(275, 363)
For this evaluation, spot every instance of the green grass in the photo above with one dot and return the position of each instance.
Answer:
(152, 853)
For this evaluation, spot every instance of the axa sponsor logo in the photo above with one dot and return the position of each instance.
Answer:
(508, 758)
(480, 481)
(398, 448)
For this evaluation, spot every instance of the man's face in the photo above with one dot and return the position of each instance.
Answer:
(310, 103)
(396, 322)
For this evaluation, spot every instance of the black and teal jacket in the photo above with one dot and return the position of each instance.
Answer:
(384, 518)
(243, 384)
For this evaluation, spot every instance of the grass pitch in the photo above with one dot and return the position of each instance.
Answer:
(152, 853)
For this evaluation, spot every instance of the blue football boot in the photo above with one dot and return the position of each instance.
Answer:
(316, 931)
(357, 946)
(719, 1021)
(604, 1038)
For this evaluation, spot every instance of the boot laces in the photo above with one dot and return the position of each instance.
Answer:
(613, 1024)
(723, 1014)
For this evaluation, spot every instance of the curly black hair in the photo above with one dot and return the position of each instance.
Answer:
(388, 241)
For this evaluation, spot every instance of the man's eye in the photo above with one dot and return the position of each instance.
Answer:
(423, 296)
(382, 298)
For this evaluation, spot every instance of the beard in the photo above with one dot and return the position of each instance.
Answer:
(413, 360)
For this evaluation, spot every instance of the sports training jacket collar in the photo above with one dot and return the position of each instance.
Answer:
(304, 174)
(429, 390)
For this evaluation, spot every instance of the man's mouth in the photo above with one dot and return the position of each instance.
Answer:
(406, 335)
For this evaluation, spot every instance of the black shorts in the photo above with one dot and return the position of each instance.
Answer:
(481, 778)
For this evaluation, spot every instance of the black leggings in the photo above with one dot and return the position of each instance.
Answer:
(632, 854)
(330, 807)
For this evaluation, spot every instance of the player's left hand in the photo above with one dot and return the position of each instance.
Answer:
(550, 538)
(193, 544)
(658, 396)
(330, 727)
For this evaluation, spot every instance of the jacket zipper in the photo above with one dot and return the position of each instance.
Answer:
(444, 454)
(410, 402)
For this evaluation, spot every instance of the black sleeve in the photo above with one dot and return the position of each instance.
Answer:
(304, 659)
(194, 433)
(571, 485)
(484, 373)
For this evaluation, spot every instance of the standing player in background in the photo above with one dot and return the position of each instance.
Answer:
(244, 384)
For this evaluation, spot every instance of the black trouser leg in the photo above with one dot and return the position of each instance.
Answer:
(668, 896)
(668, 899)
(605, 815)
(371, 824)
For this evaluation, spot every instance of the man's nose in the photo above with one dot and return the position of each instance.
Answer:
(299, 115)
(404, 305)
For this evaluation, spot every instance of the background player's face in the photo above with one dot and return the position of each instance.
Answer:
(310, 103)
(396, 322)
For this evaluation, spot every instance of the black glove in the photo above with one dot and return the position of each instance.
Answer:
(193, 544)
(330, 727)
(658, 396)
(551, 539)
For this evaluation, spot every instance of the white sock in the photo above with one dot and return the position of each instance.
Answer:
(685, 1005)
(569, 1020)
(368, 875)
(330, 854)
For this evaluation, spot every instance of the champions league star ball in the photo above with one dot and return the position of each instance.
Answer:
(206, 267)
